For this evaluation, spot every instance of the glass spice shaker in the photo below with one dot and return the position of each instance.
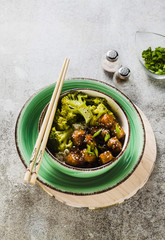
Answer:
(110, 62)
(122, 76)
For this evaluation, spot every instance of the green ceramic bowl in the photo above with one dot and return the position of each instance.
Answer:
(26, 133)
(94, 172)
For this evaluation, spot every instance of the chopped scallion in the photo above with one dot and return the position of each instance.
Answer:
(107, 137)
(117, 130)
(97, 133)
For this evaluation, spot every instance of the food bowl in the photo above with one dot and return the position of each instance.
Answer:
(143, 41)
(26, 133)
(122, 119)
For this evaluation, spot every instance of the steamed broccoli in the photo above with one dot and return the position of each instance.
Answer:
(60, 122)
(75, 103)
(71, 109)
(96, 101)
(60, 140)
(97, 112)
(69, 115)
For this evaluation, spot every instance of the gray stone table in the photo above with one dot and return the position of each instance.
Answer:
(35, 36)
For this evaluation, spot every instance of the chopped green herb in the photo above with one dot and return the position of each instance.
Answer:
(117, 130)
(89, 150)
(92, 150)
(107, 137)
(92, 146)
(96, 152)
(100, 147)
(155, 60)
(92, 153)
(88, 147)
(97, 133)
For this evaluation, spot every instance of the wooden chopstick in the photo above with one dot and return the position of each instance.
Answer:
(54, 98)
(48, 128)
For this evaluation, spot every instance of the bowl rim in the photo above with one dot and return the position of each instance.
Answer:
(154, 75)
(94, 168)
(144, 32)
(70, 192)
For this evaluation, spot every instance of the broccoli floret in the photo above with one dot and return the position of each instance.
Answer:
(60, 122)
(69, 115)
(97, 112)
(60, 139)
(96, 101)
(75, 103)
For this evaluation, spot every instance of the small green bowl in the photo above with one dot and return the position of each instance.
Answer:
(26, 132)
(96, 171)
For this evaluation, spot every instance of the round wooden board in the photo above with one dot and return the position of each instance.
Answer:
(122, 191)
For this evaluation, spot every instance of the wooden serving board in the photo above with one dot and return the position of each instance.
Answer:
(122, 191)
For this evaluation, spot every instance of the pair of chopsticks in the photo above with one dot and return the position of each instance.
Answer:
(40, 145)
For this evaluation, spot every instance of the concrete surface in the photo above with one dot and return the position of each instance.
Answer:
(35, 36)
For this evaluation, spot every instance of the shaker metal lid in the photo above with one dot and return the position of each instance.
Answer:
(124, 72)
(112, 55)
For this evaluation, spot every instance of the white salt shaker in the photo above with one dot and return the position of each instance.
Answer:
(110, 61)
(122, 76)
